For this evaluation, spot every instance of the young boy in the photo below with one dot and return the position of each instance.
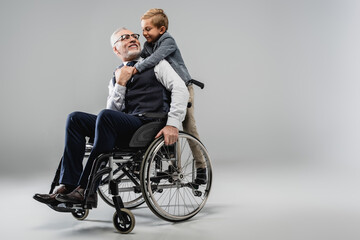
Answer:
(161, 45)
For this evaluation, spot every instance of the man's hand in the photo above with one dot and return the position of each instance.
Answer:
(170, 133)
(122, 75)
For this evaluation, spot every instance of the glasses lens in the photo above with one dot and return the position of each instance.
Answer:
(135, 35)
(125, 36)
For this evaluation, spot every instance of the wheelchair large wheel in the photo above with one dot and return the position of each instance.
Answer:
(172, 187)
(130, 198)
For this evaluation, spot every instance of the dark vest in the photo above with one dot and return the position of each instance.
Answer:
(145, 94)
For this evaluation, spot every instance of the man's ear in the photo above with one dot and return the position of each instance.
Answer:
(115, 50)
(162, 29)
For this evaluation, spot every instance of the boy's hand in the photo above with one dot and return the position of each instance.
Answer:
(135, 71)
(122, 75)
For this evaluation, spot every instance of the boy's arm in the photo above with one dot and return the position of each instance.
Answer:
(167, 47)
(147, 50)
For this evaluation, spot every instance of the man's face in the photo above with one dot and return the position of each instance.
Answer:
(127, 47)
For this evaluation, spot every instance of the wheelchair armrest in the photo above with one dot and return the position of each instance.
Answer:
(158, 115)
(146, 134)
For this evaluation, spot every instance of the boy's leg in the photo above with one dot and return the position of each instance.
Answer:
(189, 126)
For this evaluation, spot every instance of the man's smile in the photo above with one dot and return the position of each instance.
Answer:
(133, 46)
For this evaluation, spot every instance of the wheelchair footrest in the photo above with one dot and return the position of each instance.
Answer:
(192, 185)
(137, 189)
(159, 176)
(61, 208)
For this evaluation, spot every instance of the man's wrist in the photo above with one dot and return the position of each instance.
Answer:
(119, 88)
(121, 83)
(173, 122)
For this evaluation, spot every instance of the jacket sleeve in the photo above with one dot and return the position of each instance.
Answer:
(146, 51)
(166, 47)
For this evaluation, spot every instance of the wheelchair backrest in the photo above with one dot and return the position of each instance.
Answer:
(146, 134)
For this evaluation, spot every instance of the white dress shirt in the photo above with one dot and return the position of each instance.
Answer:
(167, 76)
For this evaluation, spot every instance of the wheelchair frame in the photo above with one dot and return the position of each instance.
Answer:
(162, 176)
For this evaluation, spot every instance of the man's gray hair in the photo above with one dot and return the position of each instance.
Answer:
(113, 37)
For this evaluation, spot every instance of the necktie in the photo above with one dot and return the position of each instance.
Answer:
(131, 64)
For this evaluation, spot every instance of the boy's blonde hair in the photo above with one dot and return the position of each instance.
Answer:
(158, 17)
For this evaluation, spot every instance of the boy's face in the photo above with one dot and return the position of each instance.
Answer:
(150, 32)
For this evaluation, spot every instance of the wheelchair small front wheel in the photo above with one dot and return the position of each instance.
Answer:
(131, 198)
(80, 214)
(126, 223)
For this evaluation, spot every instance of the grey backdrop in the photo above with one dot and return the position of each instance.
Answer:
(282, 77)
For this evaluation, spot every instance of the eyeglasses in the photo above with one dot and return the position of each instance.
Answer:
(127, 36)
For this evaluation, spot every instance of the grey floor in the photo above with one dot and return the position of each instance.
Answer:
(247, 202)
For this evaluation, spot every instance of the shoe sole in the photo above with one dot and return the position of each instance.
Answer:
(46, 201)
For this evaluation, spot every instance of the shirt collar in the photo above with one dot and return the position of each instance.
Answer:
(138, 59)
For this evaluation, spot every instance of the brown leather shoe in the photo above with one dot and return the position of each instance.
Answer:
(76, 196)
(50, 198)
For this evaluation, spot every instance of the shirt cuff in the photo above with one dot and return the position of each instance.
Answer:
(173, 122)
(119, 89)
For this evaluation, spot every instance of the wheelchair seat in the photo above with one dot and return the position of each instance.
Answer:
(145, 134)
(142, 137)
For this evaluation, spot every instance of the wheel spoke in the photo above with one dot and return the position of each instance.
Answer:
(174, 196)
(130, 198)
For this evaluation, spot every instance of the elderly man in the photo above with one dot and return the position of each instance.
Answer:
(158, 89)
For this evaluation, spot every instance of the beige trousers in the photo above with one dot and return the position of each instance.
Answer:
(189, 126)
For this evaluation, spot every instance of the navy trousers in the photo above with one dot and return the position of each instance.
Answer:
(109, 129)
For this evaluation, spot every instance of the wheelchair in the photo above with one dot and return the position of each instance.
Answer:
(163, 176)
